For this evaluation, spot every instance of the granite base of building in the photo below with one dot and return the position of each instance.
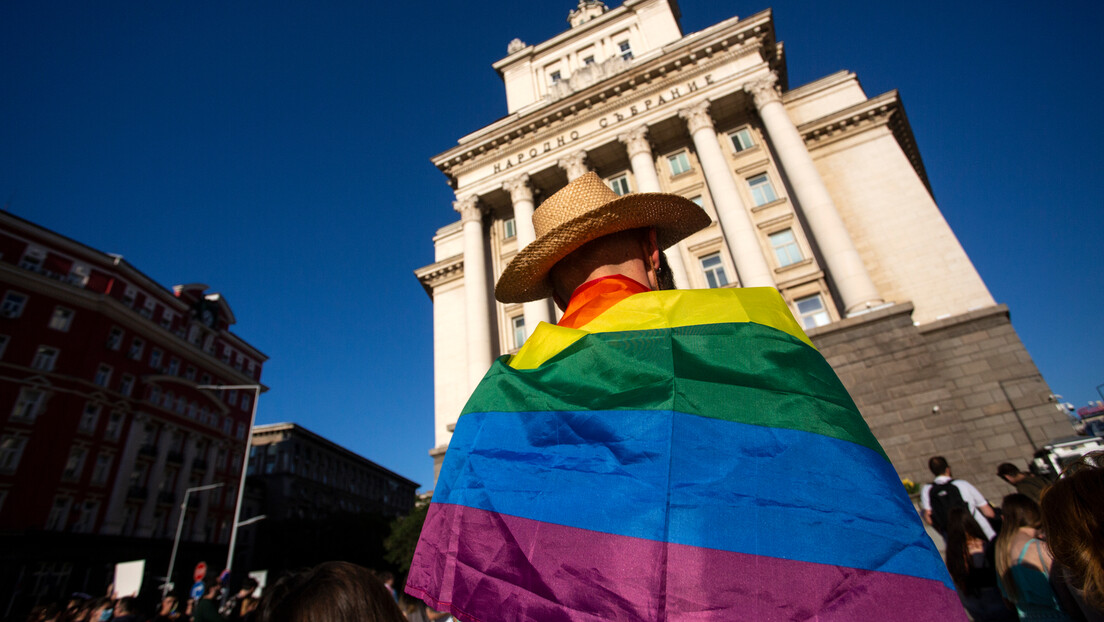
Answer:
(963, 387)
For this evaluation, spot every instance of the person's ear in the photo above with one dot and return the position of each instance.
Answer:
(653, 249)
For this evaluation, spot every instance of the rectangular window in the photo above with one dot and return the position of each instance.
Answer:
(190, 373)
(241, 430)
(89, 418)
(225, 355)
(555, 77)
(103, 375)
(679, 163)
(59, 514)
(714, 270)
(508, 231)
(86, 519)
(13, 304)
(619, 184)
(45, 358)
(811, 311)
(61, 319)
(114, 426)
(129, 295)
(78, 274)
(785, 247)
(126, 385)
(174, 366)
(115, 338)
(741, 140)
(246, 401)
(32, 259)
(137, 346)
(589, 60)
(102, 468)
(155, 358)
(4, 339)
(29, 405)
(74, 466)
(518, 324)
(625, 49)
(147, 308)
(762, 192)
(11, 450)
(227, 425)
(232, 397)
(166, 319)
(697, 201)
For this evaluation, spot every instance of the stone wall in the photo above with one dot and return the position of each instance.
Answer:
(962, 387)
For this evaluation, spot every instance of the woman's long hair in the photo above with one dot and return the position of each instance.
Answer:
(961, 528)
(1018, 511)
(1073, 519)
(329, 592)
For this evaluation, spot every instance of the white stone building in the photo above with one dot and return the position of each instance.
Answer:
(818, 190)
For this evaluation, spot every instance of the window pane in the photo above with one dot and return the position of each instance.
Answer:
(785, 247)
(714, 270)
(509, 228)
(811, 312)
(741, 140)
(679, 163)
(761, 190)
(620, 185)
(519, 330)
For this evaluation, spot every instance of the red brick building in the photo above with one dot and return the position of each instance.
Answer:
(102, 428)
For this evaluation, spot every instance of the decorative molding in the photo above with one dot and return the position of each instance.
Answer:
(519, 188)
(764, 90)
(574, 164)
(636, 141)
(516, 45)
(469, 208)
(440, 273)
(697, 117)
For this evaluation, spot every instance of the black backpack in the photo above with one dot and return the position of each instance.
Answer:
(944, 497)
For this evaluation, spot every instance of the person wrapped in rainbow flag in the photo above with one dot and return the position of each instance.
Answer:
(664, 455)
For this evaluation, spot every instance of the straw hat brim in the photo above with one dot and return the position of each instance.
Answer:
(674, 218)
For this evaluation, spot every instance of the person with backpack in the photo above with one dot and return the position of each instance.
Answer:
(939, 497)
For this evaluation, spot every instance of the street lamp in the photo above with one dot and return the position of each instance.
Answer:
(245, 457)
(179, 528)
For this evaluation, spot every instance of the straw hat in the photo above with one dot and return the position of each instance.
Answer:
(584, 210)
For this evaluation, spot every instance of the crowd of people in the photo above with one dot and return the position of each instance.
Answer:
(1039, 557)
(332, 591)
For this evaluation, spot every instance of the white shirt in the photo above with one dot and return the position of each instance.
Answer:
(970, 495)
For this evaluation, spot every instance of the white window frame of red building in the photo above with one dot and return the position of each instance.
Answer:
(11, 452)
(114, 428)
(102, 467)
(74, 464)
(86, 517)
(79, 274)
(103, 375)
(13, 305)
(33, 259)
(29, 404)
(126, 384)
(137, 347)
(90, 417)
(61, 319)
(149, 305)
(45, 358)
(129, 294)
(155, 358)
(115, 338)
(174, 366)
(59, 513)
(167, 317)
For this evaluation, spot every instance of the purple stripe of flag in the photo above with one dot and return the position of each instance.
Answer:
(525, 569)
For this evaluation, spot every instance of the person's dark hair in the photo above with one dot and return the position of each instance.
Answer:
(938, 465)
(329, 592)
(1007, 469)
(127, 605)
(249, 584)
(961, 528)
(1073, 519)
(572, 271)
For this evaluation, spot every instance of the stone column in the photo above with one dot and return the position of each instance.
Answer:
(739, 230)
(844, 264)
(199, 531)
(521, 194)
(113, 515)
(153, 488)
(647, 180)
(183, 477)
(475, 290)
(574, 164)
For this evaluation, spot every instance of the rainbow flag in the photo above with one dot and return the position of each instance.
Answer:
(704, 464)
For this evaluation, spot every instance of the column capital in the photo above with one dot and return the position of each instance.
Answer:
(697, 116)
(519, 188)
(763, 90)
(469, 209)
(574, 164)
(636, 140)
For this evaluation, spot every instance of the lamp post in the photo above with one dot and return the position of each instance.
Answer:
(179, 528)
(256, 388)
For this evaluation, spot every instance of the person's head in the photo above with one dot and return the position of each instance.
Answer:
(387, 578)
(329, 592)
(127, 605)
(938, 466)
(1073, 519)
(99, 609)
(211, 590)
(961, 529)
(1010, 473)
(168, 604)
(248, 586)
(585, 230)
(1017, 511)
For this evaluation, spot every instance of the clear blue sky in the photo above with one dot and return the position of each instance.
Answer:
(279, 152)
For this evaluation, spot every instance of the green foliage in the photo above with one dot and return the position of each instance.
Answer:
(400, 544)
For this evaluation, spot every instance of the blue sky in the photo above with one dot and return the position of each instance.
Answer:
(279, 152)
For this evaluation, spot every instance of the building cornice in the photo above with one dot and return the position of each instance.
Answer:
(752, 34)
(290, 430)
(884, 110)
(436, 274)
